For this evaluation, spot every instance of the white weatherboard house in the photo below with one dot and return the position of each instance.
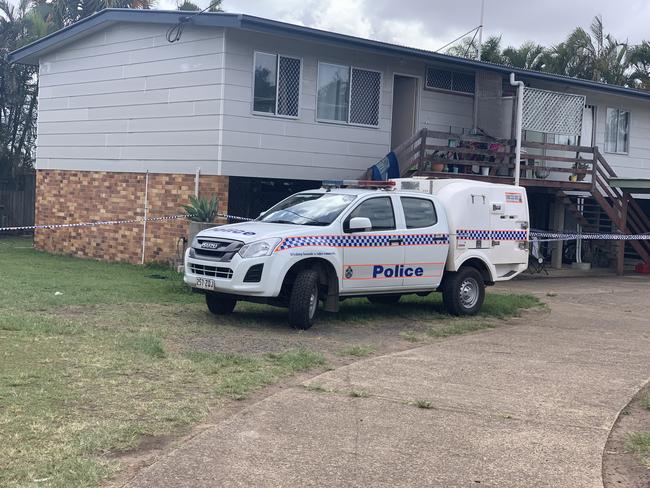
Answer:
(252, 109)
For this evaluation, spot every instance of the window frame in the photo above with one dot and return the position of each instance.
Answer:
(433, 206)
(629, 131)
(350, 67)
(345, 224)
(277, 55)
(444, 90)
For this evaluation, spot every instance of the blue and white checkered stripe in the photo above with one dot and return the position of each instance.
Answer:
(492, 235)
(562, 236)
(424, 239)
(375, 240)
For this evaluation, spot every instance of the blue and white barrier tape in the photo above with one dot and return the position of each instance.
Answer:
(107, 222)
(88, 224)
(539, 235)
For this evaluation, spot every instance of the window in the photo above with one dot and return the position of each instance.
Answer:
(308, 209)
(277, 85)
(617, 131)
(418, 212)
(378, 210)
(440, 79)
(347, 94)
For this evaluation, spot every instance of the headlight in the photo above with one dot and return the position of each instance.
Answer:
(259, 248)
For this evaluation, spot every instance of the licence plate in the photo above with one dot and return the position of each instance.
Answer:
(206, 283)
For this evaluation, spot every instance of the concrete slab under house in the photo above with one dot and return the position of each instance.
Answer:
(252, 110)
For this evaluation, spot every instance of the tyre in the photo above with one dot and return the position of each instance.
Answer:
(384, 299)
(303, 301)
(220, 304)
(463, 292)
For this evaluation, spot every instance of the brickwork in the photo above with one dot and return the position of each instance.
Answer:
(82, 196)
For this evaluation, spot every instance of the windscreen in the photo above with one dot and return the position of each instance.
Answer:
(308, 209)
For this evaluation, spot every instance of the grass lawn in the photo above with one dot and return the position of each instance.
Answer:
(95, 357)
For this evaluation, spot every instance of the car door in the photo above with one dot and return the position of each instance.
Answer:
(426, 242)
(372, 258)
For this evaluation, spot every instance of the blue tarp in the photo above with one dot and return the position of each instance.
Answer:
(386, 168)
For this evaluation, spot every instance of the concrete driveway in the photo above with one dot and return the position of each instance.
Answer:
(525, 405)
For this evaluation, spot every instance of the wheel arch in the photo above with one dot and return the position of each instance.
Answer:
(481, 266)
(327, 278)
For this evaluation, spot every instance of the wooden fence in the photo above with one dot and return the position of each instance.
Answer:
(17, 199)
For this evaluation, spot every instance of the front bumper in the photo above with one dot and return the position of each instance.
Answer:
(229, 277)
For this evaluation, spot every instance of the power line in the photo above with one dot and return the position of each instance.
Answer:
(176, 31)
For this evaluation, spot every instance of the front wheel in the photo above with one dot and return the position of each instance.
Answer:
(303, 301)
(463, 292)
(220, 304)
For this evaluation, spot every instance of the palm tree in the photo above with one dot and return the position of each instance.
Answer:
(591, 55)
(639, 65)
(528, 56)
(61, 13)
(468, 48)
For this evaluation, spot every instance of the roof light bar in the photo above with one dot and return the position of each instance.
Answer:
(357, 184)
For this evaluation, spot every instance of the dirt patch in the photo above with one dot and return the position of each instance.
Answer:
(621, 468)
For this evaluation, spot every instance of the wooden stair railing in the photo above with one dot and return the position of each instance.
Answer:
(624, 212)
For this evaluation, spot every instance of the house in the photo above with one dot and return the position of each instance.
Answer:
(252, 110)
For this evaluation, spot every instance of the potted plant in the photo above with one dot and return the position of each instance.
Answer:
(436, 162)
(201, 214)
(579, 168)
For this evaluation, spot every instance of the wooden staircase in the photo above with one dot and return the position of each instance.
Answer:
(621, 208)
(609, 209)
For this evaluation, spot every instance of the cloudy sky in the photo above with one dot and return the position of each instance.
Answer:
(429, 24)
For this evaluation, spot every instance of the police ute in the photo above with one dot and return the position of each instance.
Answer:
(379, 240)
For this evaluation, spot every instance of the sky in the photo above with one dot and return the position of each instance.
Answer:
(429, 24)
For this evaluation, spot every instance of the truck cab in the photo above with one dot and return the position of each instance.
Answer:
(343, 240)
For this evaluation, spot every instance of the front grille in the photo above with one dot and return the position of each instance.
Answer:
(254, 274)
(222, 250)
(212, 271)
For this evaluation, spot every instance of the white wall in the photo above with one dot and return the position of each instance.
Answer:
(124, 99)
(303, 148)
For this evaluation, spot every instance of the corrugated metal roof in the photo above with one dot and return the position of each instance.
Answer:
(29, 54)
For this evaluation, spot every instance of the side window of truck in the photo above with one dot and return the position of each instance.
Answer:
(380, 212)
(418, 212)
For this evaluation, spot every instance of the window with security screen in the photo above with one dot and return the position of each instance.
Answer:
(276, 84)
(348, 94)
(365, 89)
(455, 81)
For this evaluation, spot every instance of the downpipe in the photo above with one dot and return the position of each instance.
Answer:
(518, 123)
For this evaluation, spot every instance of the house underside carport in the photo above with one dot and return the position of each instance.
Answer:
(572, 174)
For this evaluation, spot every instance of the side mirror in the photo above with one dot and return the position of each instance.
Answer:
(262, 214)
(359, 224)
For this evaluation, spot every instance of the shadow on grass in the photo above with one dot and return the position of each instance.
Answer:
(360, 312)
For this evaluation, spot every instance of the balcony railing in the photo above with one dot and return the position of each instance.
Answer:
(448, 155)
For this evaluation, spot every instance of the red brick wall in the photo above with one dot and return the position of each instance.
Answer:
(82, 196)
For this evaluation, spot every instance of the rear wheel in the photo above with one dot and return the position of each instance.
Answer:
(303, 301)
(220, 304)
(384, 299)
(463, 292)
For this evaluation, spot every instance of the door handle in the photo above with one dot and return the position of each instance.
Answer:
(396, 240)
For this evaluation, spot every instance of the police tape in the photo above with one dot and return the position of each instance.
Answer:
(95, 223)
(541, 236)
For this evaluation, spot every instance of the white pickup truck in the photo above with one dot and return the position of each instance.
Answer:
(379, 241)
